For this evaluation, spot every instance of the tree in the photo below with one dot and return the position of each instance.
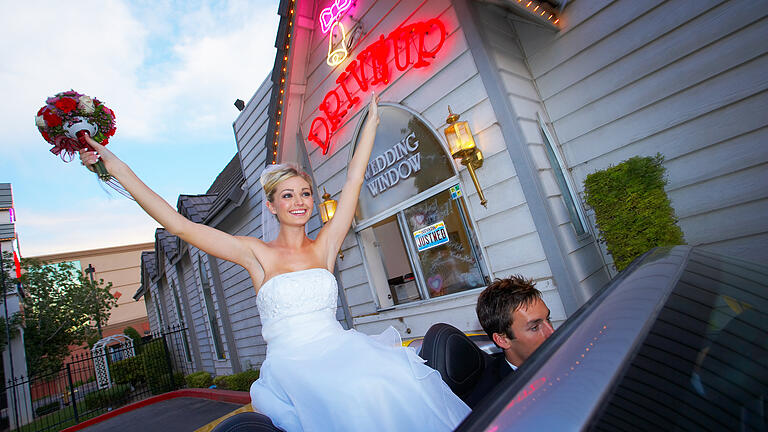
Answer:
(61, 309)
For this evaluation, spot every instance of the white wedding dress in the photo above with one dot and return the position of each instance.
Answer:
(319, 377)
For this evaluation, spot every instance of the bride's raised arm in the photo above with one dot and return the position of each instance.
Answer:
(208, 239)
(333, 232)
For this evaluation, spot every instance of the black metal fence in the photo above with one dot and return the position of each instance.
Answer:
(91, 384)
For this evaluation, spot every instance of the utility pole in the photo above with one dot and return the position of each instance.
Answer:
(90, 270)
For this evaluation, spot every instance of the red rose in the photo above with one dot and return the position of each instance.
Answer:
(45, 136)
(66, 104)
(42, 110)
(51, 119)
(111, 132)
(105, 141)
(108, 111)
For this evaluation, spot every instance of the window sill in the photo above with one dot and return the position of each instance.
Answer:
(463, 298)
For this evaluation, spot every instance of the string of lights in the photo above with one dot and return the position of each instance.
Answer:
(281, 85)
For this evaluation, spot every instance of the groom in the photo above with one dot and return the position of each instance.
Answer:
(515, 317)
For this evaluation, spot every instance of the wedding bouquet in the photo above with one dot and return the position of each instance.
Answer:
(67, 117)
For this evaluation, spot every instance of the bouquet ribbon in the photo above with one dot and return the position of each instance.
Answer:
(67, 145)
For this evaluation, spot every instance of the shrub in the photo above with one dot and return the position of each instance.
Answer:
(127, 371)
(632, 210)
(116, 395)
(135, 336)
(155, 367)
(221, 381)
(200, 379)
(242, 381)
(178, 380)
(47, 408)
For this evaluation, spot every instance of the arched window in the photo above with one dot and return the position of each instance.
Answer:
(412, 220)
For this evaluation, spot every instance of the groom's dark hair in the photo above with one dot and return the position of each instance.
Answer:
(496, 303)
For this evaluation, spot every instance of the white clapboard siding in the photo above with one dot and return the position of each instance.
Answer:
(238, 288)
(582, 256)
(686, 79)
(451, 79)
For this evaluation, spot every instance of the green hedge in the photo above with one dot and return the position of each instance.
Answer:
(47, 408)
(156, 368)
(239, 382)
(221, 381)
(632, 210)
(128, 371)
(114, 396)
(200, 379)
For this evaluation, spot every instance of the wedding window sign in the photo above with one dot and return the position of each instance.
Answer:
(412, 222)
(407, 159)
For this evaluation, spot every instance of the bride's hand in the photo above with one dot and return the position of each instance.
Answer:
(373, 108)
(89, 157)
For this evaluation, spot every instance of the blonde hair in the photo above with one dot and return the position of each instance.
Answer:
(275, 174)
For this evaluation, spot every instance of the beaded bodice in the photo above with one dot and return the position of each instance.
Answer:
(297, 293)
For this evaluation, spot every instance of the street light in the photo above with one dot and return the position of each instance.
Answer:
(90, 270)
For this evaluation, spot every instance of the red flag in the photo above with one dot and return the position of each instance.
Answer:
(18, 265)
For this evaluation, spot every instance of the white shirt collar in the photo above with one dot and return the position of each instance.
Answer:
(514, 368)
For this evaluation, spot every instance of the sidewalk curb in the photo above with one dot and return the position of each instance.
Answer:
(237, 397)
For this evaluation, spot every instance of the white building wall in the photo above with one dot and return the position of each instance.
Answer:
(583, 257)
(683, 78)
(452, 79)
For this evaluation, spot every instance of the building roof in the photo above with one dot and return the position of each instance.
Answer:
(167, 242)
(6, 197)
(7, 232)
(148, 268)
(227, 187)
(195, 207)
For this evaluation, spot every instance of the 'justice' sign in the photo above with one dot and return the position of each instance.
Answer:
(411, 44)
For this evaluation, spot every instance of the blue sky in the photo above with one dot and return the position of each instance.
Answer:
(170, 70)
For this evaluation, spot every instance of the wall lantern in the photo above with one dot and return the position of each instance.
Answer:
(327, 207)
(462, 145)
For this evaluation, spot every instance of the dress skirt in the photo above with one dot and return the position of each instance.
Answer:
(331, 379)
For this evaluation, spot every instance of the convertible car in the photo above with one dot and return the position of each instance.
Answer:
(678, 341)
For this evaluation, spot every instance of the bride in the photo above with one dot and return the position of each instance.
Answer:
(316, 376)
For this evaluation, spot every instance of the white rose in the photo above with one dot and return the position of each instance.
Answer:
(40, 121)
(85, 104)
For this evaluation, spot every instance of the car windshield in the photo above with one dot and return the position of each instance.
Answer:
(679, 343)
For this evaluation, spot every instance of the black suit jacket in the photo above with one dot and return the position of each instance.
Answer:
(494, 372)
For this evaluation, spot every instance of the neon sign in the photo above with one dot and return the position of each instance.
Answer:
(332, 13)
(411, 44)
(337, 56)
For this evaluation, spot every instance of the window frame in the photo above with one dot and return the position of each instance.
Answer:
(218, 344)
(397, 210)
(552, 148)
(180, 319)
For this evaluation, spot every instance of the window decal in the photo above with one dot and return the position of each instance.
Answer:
(431, 236)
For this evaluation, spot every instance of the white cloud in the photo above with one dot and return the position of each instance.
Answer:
(217, 58)
(97, 224)
(170, 70)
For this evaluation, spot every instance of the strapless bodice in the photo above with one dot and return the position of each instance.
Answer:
(296, 302)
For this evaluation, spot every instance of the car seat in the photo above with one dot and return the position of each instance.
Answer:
(459, 361)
